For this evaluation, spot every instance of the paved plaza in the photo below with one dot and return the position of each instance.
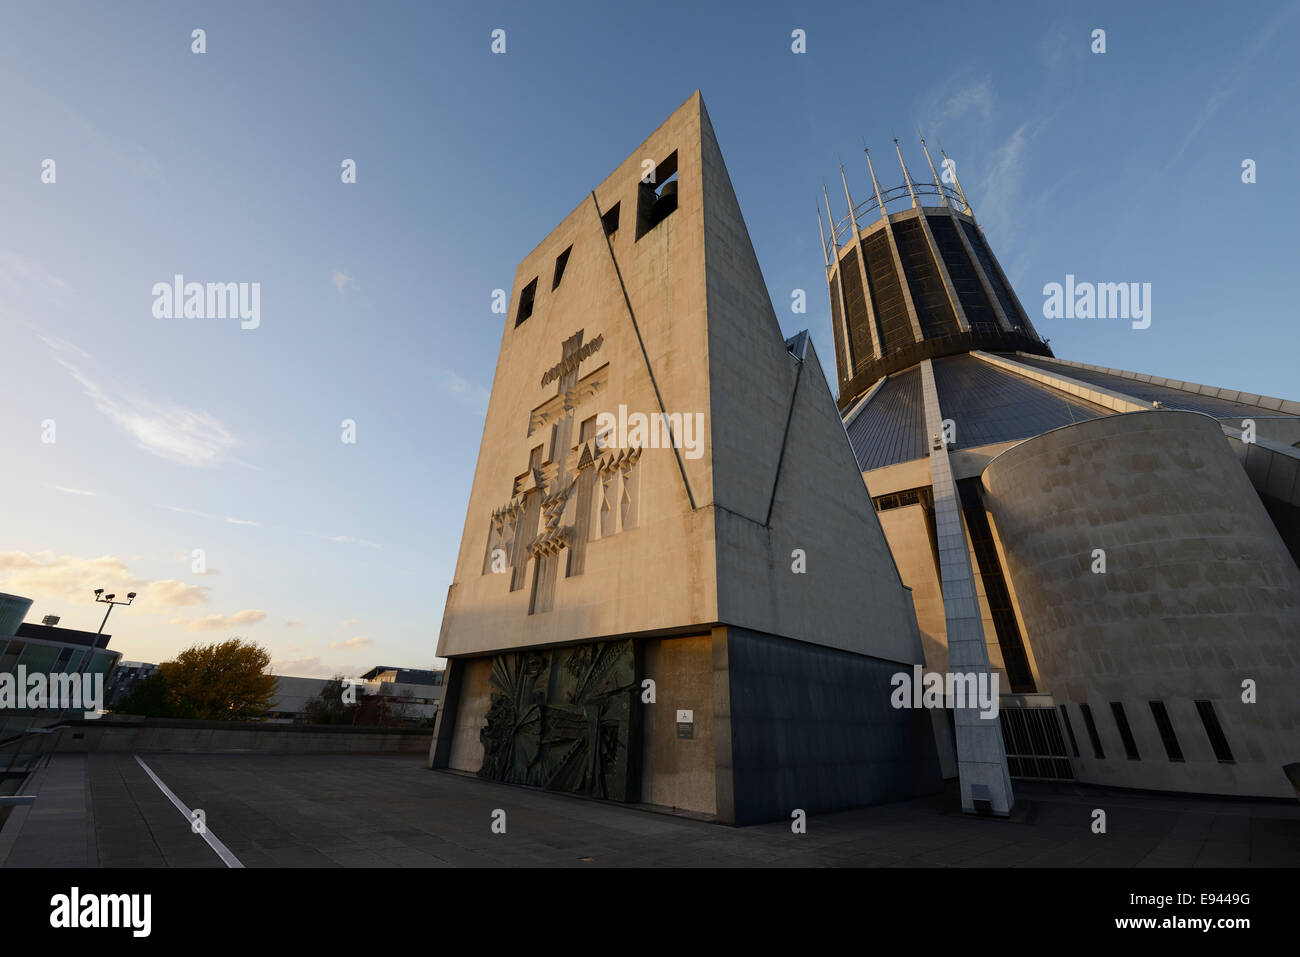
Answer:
(104, 810)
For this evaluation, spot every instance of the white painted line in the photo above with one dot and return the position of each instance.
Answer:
(223, 852)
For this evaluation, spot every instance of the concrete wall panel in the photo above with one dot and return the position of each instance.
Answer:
(471, 715)
(1199, 594)
(813, 728)
(679, 772)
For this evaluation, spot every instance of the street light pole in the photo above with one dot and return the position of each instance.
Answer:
(108, 600)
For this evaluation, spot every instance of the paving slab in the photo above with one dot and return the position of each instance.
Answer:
(390, 811)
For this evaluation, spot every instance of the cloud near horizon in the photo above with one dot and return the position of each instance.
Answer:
(351, 644)
(249, 616)
(304, 668)
(43, 575)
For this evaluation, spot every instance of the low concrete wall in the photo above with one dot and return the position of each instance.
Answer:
(220, 737)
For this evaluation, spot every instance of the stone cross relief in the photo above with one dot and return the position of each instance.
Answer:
(593, 486)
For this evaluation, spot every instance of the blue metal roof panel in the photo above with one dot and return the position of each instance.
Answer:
(989, 404)
(1168, 397)
(891, 426)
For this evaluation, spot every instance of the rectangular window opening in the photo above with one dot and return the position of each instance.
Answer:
(526, 300)
(1125, 732)
(1166, 727)
(560, 262)
(610, 220)
(657, 199)
(1069, 729)
(1215, 731)
(1093, 736)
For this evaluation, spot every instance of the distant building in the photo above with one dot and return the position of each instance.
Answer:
(408, 695)
(289, 703)
(48, 649)
(124, 679)
(411, 694)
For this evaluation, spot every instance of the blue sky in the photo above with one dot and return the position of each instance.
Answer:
(173, 435)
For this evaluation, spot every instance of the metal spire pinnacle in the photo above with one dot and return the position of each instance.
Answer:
(907, 177)
(943, 197)
(879, 201)
(949, 164)
(822, 229)
(831, 216)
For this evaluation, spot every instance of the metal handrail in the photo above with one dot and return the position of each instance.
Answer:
(844, 227)
(21, 735)
(22, 738)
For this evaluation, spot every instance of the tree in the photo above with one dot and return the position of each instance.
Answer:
(148, 698)
(328, 707)
(222, 681)
(372, 711)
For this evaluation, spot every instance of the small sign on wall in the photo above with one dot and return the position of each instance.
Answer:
(685, 724)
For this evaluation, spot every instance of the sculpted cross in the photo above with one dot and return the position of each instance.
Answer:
(529, 527)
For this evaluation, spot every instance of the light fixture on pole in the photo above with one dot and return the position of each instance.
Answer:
(109, 600)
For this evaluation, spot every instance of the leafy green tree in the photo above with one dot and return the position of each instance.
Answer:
(222, 681)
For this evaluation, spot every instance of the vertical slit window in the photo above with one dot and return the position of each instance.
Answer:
(1125, 732)
(1166, 728)
(561, 261)
(1215, 731)
(1093, 736)
(1069, 729)
(1014, 657)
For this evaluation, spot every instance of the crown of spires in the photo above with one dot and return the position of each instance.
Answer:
(912, 189)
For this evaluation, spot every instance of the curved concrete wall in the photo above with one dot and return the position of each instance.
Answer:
(1199, 594)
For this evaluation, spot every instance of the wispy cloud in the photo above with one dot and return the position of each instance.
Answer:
(249, 616)
(63, 345)
(462, 390)
(1001, 189)
(293, 623)
(171, 432)
(961, 97)
(21, 275)
(70, 491)
(167, 430)
(349, 540)
(216, 518)
(126, 151)
(352, 644)
(1231, 81)
(231, 520)
(1063, 44)
(304, 668)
